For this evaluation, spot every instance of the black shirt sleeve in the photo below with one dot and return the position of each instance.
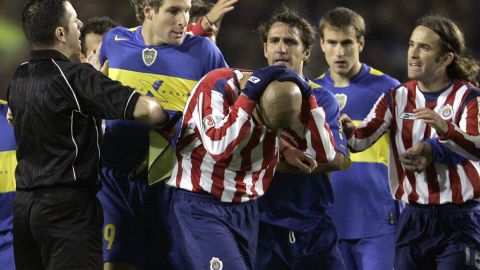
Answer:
(95, 94)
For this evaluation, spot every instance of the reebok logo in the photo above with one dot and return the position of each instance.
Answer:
(253, 79)
(117, 38)
(407, 116)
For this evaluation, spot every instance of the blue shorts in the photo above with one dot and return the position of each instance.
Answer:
(7, 261)
(439, 237)
(135, 228)
(372, 253)
(282, 248)
(209, 234)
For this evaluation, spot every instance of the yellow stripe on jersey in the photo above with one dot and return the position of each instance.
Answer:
(2, 101)
(377, 153)
(375, 72)
(172, 94)
(8, 163)
(314, 85)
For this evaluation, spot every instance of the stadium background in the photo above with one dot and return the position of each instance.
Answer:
(389, 24)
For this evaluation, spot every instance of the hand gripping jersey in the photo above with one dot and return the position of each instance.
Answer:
(166, 72)
(8, 162)
(222, 150)
(296, 201)
(438, 183)
(363, 205)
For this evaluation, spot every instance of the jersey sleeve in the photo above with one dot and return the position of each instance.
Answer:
(376, 123)
(314, 137)
(221, 127)
(99, 96)
(464, 138)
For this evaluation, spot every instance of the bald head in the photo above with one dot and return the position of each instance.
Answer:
(281, 103)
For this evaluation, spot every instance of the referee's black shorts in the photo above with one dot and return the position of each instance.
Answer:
(57, 228)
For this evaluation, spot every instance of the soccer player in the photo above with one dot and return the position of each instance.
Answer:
(226, 157)
(8, 162)
(56, 106)
(364, 211)
(440, 226)
(292, 211)
(92, 33)
(159, 59)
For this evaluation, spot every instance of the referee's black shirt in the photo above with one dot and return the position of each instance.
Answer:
(56, 106)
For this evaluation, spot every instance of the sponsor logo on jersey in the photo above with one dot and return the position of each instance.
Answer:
(208, 122)
(216, 264)
(149, 55)
(341, 100)
(253, 79)
(446, 112)
(117, 38)
(407, 116)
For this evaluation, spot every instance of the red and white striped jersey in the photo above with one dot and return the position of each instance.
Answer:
(438, 183)
(222, 150)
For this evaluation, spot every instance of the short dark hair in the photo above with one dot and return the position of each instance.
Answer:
(96, 25)
(41, 17)
(288, 16)
(138, 5)
(342, 17)
(464, 66)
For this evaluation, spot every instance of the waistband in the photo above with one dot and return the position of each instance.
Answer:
(467, 206)
(206, 197)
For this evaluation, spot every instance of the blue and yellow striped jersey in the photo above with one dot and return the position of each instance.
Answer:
(363, 204)
(167, 73)
(8, 162)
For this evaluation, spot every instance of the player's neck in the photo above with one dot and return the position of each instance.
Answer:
(149, 37)
(434, 85)
(343, 79)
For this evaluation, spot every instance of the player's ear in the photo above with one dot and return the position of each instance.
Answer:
(447, 58)
(306, 54)
(148, 12)
(361, 43)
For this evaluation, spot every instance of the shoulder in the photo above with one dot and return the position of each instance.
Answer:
(325, 98)
(119, 34)
(199, 43)
(384, 78)
(218, 74)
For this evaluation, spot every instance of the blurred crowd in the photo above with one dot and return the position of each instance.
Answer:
(389, 23)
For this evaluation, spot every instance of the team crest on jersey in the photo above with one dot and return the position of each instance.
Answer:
(149, 56)
(216, 264)
(446, 112)
(407, 116)
(208, 122)
(341, 100)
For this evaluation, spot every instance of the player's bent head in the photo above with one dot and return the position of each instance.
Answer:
(280, 104)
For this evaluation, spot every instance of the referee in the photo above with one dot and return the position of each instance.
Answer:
(56, 107)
